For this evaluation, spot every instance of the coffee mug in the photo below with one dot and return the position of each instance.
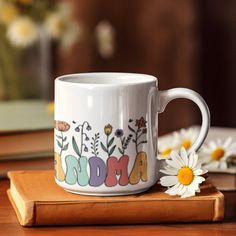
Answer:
(106, 131)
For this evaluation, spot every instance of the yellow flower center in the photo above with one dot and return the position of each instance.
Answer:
(60, 26)
(166, 152)
(217, 154)
(186, 143)
(185, 176)
(24, 30)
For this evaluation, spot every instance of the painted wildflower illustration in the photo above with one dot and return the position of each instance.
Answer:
(108, 148)
(94, 144)
(138, 131)
(119, 133)
(62, 126)
(82, 130)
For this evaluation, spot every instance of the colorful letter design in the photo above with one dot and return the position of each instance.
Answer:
(59, 173)
(139, 170)
(94, 170)
(76, 170)
(97, 171)
(117, 167)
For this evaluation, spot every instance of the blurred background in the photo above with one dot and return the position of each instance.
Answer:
(185, 43)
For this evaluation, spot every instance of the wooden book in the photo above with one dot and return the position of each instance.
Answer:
(41, 163)
(37, 200)
(26, 130)
(224, 180)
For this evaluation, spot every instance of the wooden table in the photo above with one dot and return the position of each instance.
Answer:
(10, 226)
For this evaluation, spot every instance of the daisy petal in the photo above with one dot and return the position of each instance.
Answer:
(199, 179)
(199, 172)
(212, 145)
(227, 142)
(176, 158)
(168, 180)
(173, 164)
(184, 156)
(187, 194)
(172, 190)
(169, 171)
(212, 165)
(195, 184)
(182, 190)
(223, 165)
(193, 160)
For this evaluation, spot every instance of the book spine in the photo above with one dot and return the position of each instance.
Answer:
(128, 212)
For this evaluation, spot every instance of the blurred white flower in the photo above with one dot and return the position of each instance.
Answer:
(55, 25)
(165, 147)
(215, 154)
(183, 174)
(71, 35)
(105, 37)
(185, 137)
(8, 12)
(22, 32)
(60, 26)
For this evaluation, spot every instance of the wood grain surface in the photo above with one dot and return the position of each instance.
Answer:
(9, 224)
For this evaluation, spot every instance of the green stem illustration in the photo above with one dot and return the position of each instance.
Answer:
(62, 142)
(139, 132)
(83, 146)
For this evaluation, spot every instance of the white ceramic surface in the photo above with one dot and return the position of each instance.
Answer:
(106, 131)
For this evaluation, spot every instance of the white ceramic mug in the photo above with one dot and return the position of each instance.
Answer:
(106, 131)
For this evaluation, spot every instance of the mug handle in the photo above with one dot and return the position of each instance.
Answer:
(164, 97)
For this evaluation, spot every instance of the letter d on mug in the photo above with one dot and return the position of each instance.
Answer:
(106, 131)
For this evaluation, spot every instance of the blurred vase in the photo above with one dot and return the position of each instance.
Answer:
(25, 72)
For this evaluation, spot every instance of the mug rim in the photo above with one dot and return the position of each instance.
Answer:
(106, 79)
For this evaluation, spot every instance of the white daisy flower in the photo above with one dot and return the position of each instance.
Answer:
(165, 147)
(105, 36)
(22, 32)
(60, 26)
(186, 137)
(215, 154)
(183, 174)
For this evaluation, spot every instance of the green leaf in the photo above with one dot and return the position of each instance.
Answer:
(123, 140)
(75, 146)
(65, 147)
(59, 144)
(121, 152)
(134, 140)
(64, 139)
(142, 142)
(103, 147)
(58, 136)
(112, 150)
(131, 129)
(110, 142)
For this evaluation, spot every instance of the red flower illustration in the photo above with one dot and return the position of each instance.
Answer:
(141, 123)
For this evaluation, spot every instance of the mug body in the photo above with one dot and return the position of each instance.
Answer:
(104, 144)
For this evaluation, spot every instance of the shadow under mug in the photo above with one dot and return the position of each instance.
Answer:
(106, 131)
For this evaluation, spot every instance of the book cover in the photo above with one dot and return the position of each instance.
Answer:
(26, 129)
(37, 200)
(24, 115)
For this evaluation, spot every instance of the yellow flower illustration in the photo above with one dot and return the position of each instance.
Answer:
(108, 129)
